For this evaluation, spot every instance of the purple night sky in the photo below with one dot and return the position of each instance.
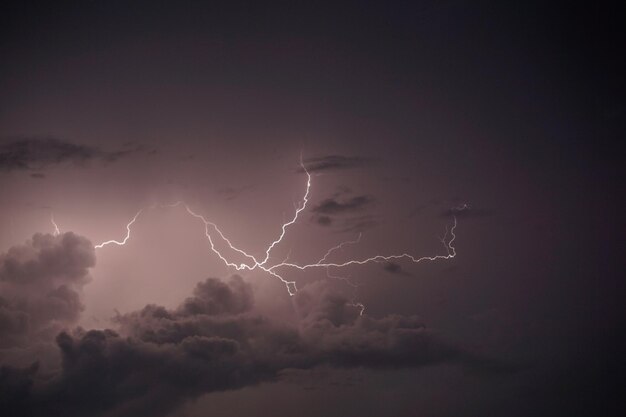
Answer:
(483, 137)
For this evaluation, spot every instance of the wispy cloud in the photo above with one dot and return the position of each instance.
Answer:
(394, 268)
(335, 206)
(36, 153)
(334, 162)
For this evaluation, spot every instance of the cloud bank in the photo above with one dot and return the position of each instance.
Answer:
(40, 284)
(157, 358)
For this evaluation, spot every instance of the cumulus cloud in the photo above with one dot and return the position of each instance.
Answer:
(40, 282)
(36, 153)
(157, 358)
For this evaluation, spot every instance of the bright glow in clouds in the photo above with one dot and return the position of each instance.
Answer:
(57, 231)
(211, 231)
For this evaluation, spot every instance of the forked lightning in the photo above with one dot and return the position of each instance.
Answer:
(211, 231)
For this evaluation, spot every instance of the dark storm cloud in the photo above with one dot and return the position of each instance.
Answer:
(214, 297)
(332, 206)
(213, 341)
(334, 162)
(40, 283)
(26, 153)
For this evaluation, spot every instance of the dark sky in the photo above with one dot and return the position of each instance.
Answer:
(409, 116)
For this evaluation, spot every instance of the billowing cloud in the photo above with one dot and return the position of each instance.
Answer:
(40, 282)
(36, 153)
(157, 358)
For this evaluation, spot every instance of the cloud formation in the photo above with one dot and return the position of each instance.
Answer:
(334, 162)
(157, 358)
(40, 282)
(327, 212)
(36, 153)
(333, 206)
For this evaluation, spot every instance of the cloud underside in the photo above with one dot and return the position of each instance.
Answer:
(333, 206)
(157, 358)
(334, 162)
(36, 153)
(345, 215)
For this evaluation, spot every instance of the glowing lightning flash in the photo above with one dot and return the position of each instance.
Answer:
(253, 263)
(56, 227)
(123, 242)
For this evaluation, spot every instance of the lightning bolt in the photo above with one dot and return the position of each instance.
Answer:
(122, 242)
(339, 246)
(451, 253)
(300, 208)
(56, 227)
(212, 231)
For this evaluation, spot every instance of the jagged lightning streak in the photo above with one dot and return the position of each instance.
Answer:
(340, 246)
(57, 231)
(302, 206)
(451, 253)
(122, 242)
(253, 263)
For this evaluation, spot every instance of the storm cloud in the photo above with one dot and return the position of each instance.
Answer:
(36, 153)
(40, 283)
(157, 358)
